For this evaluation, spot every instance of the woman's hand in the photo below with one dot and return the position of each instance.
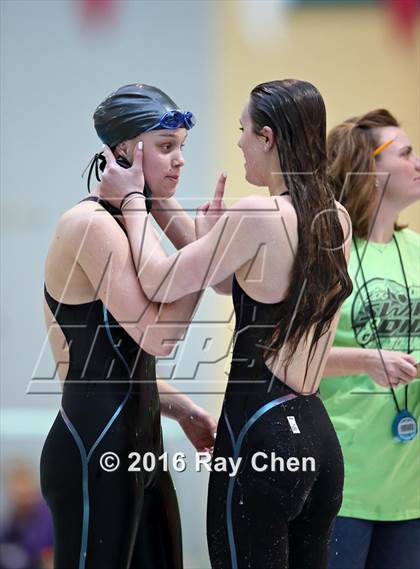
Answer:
(200, 428)
(208, 213)
(117, 182)
(401, 367)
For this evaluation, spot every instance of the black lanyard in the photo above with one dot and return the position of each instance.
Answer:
(372, 316)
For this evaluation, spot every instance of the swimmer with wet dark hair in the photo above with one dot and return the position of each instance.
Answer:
(105, 335)
(286, 257)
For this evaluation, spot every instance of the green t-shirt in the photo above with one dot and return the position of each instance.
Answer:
(382, 475)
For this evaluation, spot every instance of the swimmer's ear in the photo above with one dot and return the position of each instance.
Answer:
(121, 155)
(121, 151)
(268, 137)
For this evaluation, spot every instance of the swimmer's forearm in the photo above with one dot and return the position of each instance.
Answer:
(202, 263)
(150, 259)
(174, 221)
(177, 315)
(347, 361)
(159, 275)
(173, 403)
(179, 227)
(143, 238)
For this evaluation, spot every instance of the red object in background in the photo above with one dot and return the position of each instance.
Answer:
(97, 11)
(405, 15)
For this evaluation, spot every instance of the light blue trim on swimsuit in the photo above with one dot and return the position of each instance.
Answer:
(85, 487)
(232, 438)
(236, 450)
(86, 457)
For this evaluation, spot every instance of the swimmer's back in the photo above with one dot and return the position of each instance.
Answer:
(265, 279)
(90, 259)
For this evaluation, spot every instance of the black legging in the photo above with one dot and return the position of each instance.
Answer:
(133, 518)
(274, 519)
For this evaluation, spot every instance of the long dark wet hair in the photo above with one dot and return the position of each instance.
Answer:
(320, 283)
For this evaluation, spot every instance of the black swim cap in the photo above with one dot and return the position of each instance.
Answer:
(129, 111)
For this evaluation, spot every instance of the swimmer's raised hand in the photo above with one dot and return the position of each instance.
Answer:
(116, 181)
(209, 213)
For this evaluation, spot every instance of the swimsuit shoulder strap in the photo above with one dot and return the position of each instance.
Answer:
(114, 211)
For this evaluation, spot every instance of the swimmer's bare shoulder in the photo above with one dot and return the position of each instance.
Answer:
(270, 209)
(88, 233)
(85, 222)
(268, 206)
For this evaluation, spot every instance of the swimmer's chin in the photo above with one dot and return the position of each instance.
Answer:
(164, 194)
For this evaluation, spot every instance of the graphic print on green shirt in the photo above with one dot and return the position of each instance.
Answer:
(391, 309)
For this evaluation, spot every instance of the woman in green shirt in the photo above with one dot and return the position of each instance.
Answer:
(370, 374)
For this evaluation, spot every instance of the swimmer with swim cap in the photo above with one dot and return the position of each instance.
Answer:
(108, 513)
(130, 111)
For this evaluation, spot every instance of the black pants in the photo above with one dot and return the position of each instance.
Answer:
(121, 519)
(274, 519)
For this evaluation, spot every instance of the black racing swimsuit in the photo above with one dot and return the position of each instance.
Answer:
(110, 404)
(280, 517)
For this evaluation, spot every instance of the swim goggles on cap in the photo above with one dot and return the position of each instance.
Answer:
(175, 119)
